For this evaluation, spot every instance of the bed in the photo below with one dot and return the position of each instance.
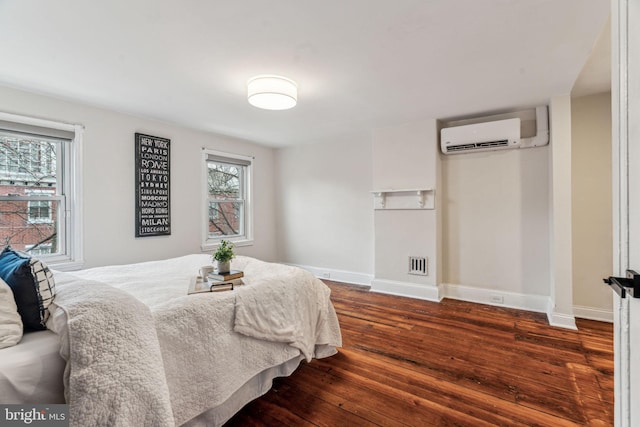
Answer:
(135, 349)
(31, 372)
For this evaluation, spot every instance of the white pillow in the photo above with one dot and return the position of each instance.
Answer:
(10, 321)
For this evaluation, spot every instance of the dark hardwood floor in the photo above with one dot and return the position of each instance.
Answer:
(412, 362)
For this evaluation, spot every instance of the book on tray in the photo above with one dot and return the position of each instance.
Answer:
(231, 275)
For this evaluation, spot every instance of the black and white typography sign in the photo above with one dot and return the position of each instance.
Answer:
(153, 202)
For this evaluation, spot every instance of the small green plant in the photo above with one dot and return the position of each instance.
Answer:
(224, 252)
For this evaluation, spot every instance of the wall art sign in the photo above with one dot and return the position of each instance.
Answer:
(153, 201)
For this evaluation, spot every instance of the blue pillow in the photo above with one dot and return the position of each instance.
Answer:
(32, 284)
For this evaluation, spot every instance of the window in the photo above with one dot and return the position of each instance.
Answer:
(38, 193)
(27, 157)
(40, 211)
(227, 183)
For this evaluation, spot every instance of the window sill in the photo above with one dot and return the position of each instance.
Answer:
(67, 265)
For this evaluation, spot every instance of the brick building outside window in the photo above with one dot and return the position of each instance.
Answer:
(29, 203)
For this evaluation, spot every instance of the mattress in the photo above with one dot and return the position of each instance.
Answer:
(32, 371)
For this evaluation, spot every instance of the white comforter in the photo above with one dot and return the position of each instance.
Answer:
(164, 357)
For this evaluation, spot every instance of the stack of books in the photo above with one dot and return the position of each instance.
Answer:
(216, 282)
(224, 281)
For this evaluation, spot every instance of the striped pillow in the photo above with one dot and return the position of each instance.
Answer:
(45, 287)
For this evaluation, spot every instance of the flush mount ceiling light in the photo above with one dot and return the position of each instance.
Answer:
(272, 92)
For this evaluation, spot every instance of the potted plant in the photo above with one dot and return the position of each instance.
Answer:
(223, 256)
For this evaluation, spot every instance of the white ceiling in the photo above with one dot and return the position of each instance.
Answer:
(359, 64)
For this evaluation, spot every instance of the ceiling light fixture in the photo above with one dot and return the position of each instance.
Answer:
(272, 92)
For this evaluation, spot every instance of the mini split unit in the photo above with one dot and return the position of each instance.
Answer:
(495, 135)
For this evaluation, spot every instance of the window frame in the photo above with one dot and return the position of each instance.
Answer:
(70, 167)
(245, 239)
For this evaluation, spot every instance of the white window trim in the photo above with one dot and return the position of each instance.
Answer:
(247, 239)
(73, 259)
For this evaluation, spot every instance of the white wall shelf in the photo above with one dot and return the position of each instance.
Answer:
(412, 198)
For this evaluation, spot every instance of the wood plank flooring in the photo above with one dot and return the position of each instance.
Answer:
(412, 362)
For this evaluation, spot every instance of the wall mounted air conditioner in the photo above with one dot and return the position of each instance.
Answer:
(480, 136)
(494, 135)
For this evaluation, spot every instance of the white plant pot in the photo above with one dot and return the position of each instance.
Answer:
(223, 267)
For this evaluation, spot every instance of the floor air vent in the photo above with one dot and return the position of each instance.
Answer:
(418, 266)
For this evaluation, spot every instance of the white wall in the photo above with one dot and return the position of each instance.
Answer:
(495, 220)
(591, 200)
(324, 206)
(495, 232)
(560, 310)
(405, 157)
(108, 181)
(494, 209)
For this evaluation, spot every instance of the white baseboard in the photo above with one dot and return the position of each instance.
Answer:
(536, 303)
(405, 289)
(562, 320)
(337, 275)
(592, 313)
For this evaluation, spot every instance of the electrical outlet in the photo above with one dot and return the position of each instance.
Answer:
(497, 299)
(326, 275)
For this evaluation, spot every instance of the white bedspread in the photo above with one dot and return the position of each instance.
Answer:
(116, 374)
(280, 312)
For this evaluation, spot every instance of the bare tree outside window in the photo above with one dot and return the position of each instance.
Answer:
(226, 199)
(29, 201)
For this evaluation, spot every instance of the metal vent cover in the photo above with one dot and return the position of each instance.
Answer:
(418, 266)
